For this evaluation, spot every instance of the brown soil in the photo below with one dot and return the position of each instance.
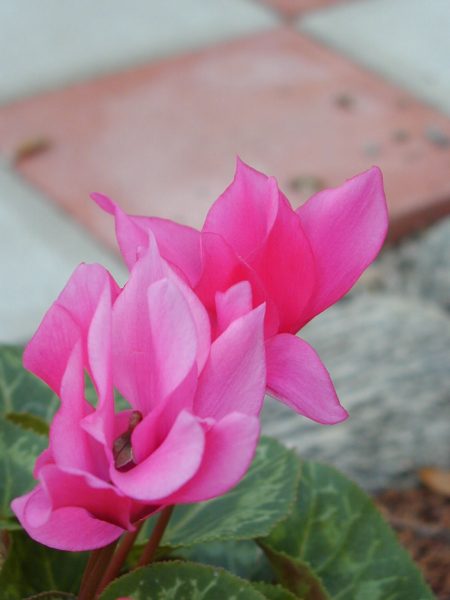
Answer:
(421, 518)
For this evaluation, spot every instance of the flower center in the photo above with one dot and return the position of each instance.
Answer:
(122, 449)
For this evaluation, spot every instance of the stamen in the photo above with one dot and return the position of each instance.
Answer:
(122, 448)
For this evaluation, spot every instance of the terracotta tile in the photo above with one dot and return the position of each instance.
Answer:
(162, 139)
(292, 8)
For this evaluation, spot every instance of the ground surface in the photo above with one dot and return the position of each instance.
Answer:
(422, 520)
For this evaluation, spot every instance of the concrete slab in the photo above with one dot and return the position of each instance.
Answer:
(162, 139)
(49, 43)
(40, 246)
(407, 41)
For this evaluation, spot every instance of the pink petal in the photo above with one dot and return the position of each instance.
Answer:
(130, 236)
(132, 349)
(261, 227)
(100, 424)
(173, 333)
(81, 295)
(244, 214)
(44, 458)
(178, 244)
(67, 321)
(346, 227)
(232, 304)
(229, 451)
(297, 377)
(199, 316)
(169, 467)
(49, 349)
(234, 376)
(83, 490)
(286, 266)
(222, 269)
(135, 325)
(70, 528)
(156, 425)
(72, 447)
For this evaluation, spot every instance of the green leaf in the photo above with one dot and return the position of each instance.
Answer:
(20, 391)
(9, 524)
(180, 581)
(18, 451)
(52, 595)
(242, 558)
(296, 576)
(274, 592)
(261, 500)
(338, 533)
(28, 421)
(31, 568)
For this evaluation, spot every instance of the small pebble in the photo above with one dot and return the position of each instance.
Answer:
(372, 149)
(400, 135)
(344, 100)
(308, 184)
(437, 136)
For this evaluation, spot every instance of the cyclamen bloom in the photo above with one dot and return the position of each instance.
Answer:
(254, 248)
(192, 428)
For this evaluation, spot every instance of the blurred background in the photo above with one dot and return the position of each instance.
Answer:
(150, 101)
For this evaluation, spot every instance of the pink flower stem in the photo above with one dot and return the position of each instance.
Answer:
(119, 558)
(97, 563)
(155, 538)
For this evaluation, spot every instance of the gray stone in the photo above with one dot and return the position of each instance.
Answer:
(418, 267)
(390, 361)
(50, 43)
(433, 265)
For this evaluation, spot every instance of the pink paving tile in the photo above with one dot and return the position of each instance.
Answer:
(162, 139)
(292, 8)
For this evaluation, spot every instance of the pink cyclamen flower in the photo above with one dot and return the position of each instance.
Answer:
(192, 427)
(255, 248)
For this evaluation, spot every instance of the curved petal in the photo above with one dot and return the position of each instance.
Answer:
(49, 349)
(131, 333)
(82, 294)
(155, 426)
(133, 324)
(259, 224)
(199, 315)
(346, 227)
(286, 266)
(68, 320)
(232, 304)
(44, 458)
(70, 528)
(229, 451)
(82, 490)
(234, 376)
(169, 467)
(100, 424)
(222, 269)
(178, 244)
(244, 214)
(297, 377)
(173, 335)
(72, 447)
(130, 236)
